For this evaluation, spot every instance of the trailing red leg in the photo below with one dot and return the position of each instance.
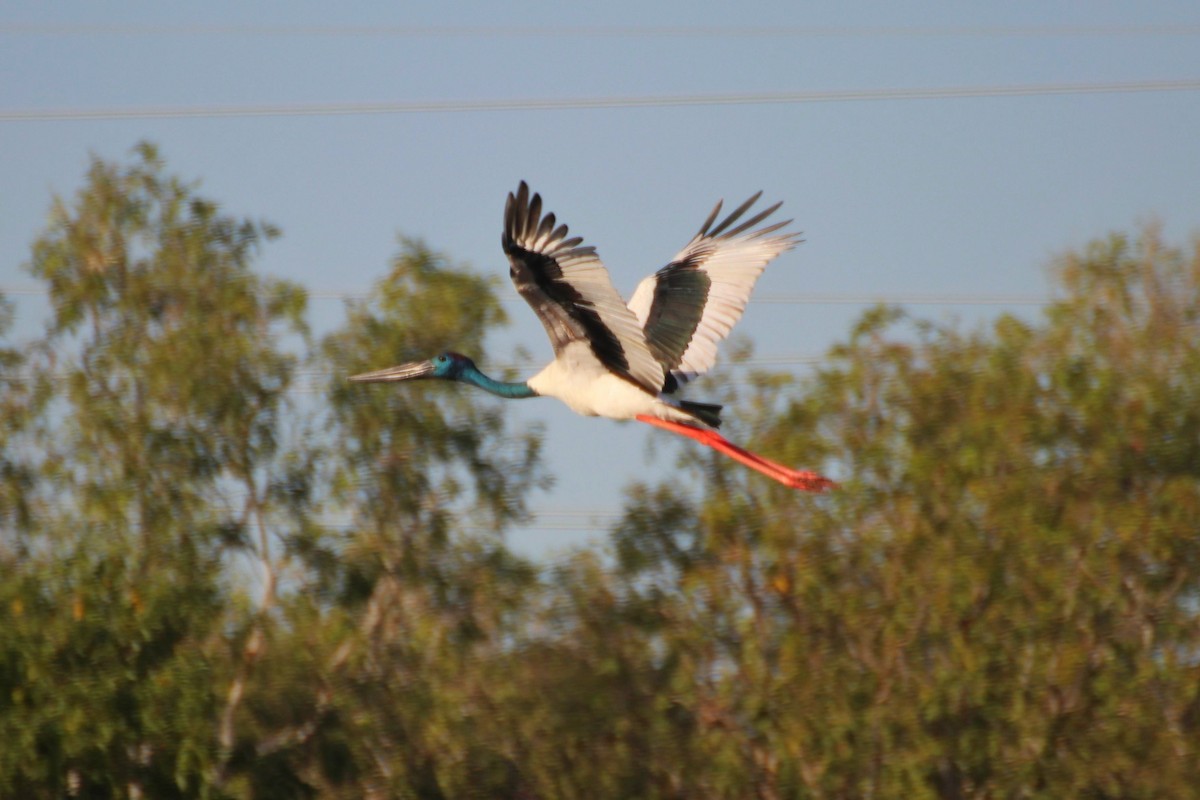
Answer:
(794, 478)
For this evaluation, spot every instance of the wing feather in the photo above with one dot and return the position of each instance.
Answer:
(571, 292)
(691, 304)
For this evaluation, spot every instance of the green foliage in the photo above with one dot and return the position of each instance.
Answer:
(177, 379)
(211, 586)
(164, 385)
(106, 684)
(407, 604)
(19, 400)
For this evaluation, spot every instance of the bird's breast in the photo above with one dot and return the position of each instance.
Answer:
(579, 380)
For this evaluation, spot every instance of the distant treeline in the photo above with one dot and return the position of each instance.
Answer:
(1002, 600)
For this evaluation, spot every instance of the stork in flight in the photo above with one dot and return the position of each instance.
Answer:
(627, 361)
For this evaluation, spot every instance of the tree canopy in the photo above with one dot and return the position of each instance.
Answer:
(216, 585)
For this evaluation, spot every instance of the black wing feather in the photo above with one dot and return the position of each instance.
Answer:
(567, 315)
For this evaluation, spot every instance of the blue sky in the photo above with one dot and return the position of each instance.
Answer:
(963, 196)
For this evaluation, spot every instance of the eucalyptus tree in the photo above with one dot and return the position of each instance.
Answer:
(157, 453)
(411, 590)
(1001, 600)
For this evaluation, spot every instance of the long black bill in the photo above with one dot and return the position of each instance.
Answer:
(404, 372)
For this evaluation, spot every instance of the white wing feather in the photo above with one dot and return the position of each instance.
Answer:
(732, 262)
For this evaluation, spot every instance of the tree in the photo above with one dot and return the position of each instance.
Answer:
(1001, 600)
(414, 591)
(157, 452)
(184, 615)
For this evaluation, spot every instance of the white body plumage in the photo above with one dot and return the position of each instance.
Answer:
(587, 387)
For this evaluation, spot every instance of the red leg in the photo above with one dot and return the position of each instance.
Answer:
(794, 478)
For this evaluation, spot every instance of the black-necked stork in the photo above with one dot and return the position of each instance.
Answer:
(626, 361)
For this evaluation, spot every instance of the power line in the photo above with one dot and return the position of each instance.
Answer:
(766, 298)
(597, 31)
(583, 522)
(785, 359)
(903, 299)
(589, 103)
(807, 299)
(308, 381)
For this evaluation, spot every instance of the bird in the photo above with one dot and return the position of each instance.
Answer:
(627, 361)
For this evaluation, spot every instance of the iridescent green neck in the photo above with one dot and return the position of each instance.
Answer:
(513, 391)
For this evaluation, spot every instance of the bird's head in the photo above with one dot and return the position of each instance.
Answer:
(447, 366)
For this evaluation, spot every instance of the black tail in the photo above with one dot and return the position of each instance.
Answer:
(708, 413)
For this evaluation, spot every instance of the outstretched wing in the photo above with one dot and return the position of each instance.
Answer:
(571, 292)
(690, 305)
